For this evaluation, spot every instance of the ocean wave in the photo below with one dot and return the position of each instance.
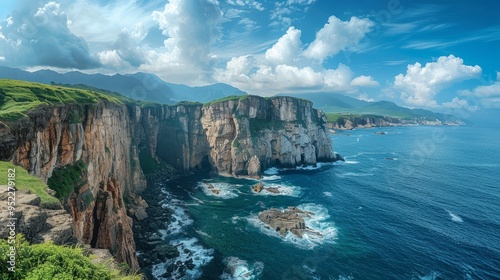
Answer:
(455, 217)
(238, 269)
(180, 219)
(322, 230)
(192, 257)
(329, 194)
(271, 171)
(221, 190)
(271, 178)
(354, 174)
(280, 189)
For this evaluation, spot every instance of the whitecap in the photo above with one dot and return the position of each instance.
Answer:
(292, 191)
(329, 194)
(455, 217)
(321, 230)
(351, 162)
(180, 219)
(271, 171)
(192, 257)
(221, 190)
(238, 269)
(353, 174)
(271, 178)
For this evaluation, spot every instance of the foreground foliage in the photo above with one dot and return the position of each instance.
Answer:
(49, 261)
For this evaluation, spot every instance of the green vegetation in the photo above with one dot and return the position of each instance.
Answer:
(49, 261)
(18, 97)
(188, 103)
(68, 179)
(25, 181)
(151, 166)
(227, 98)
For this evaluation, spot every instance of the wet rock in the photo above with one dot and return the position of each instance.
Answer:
(283, 221)
(258, 187)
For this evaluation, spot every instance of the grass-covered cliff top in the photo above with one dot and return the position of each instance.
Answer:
(18, 97)
(243, 97)
(25, 181)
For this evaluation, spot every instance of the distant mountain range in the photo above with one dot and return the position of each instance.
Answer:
(139, 86)
(340, 104)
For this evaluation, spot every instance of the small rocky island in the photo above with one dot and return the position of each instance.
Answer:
(288, 220)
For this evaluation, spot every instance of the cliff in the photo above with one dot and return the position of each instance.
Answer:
(351, 121)
(238, 136)
(87, 147)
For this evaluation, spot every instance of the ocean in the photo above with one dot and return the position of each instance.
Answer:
(415, 202)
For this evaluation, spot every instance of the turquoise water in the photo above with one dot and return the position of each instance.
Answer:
(413, 203)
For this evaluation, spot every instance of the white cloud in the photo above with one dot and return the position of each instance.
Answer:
(457, 103)
(364, 81)
(287, 67)
(37, 36)
(486, 91)
(365, 97)
(2, 58)
(111, 58)
(419, 86)
(301, 2)
(287, 49)
(101, 21)
(192, 26)
(336, 36)
(247, 3)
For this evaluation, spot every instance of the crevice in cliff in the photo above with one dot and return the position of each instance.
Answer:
(96, 216)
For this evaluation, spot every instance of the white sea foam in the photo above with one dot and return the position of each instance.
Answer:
(351, 162)
(238, 269)
(271, 171)
(353, 174)
(271, 178)
(225, 191)
(455, 217)
(180, 219)
(293, 191)
(189, 250)
(322, 230)
(329, 194)
(432, 276)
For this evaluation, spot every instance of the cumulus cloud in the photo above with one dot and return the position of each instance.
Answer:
(287, 67)
(287, 49)
(336, 36)
(486, 91)
(192, 26)
(40, 36)
(364, 81)
(457, 103)
(420, 84)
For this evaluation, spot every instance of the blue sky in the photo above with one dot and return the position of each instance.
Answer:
(441, 55)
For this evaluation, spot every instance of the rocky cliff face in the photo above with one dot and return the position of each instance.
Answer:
(100, 135)
(239, 137)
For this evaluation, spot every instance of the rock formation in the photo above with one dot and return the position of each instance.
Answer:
(288, 220)
(35, 223)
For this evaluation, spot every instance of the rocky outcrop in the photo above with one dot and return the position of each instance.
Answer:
(35, 223)
(349, 122)
(288, 220)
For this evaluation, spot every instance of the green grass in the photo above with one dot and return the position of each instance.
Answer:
(25, 181)
(49, 261)
(227, 98)
(68, 179)
(18, 97)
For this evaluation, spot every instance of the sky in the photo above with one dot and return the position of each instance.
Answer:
(439, 55)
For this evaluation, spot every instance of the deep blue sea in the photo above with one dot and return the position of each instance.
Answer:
(413, 203)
